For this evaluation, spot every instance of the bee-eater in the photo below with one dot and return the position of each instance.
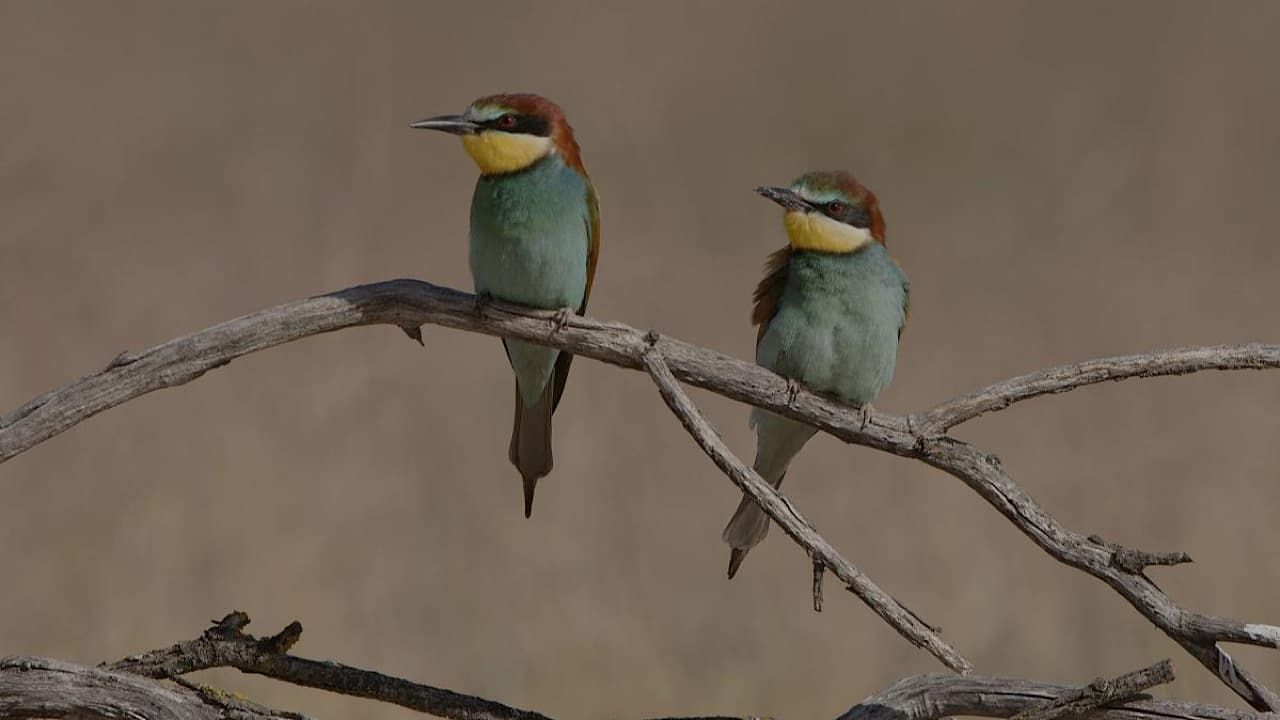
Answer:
(830, 308)
(535, 237)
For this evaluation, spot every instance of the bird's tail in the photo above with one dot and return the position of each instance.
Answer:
(777, 441)
(745, 530)
(530, 449)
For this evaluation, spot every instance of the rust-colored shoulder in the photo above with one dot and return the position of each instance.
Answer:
(769, 291)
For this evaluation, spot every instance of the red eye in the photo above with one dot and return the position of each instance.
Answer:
(506, 122)
(835, 207)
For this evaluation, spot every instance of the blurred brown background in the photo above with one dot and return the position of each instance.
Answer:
(1061, 181)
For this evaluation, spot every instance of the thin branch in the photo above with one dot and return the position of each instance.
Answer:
(1178, 361)
(226, 645)
(32, 687)
(793, 524)
(411, 303)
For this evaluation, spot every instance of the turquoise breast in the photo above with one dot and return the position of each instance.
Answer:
(530, 234)
(837, 323)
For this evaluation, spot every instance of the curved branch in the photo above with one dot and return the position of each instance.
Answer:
(410, 303)
(1063, 378)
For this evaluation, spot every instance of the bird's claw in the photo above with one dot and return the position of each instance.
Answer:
(560, 320)
(483, 298)
(864, 415)
(793, 391)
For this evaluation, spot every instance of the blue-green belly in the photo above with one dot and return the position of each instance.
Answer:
(530, 233)
(836, 331)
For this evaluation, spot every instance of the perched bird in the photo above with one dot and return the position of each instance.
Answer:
(535, 237)
(831, 308)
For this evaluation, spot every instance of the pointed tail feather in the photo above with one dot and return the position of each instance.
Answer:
(778, 439)
(530, 449)
(745, 530)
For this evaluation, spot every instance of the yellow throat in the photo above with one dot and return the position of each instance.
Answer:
(815, 231)
(497, 153)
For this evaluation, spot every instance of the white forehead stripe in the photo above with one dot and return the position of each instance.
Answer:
(485, 113)
(816, 197)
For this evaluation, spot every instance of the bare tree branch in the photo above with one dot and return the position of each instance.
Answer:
(32, 687)
(1099, 693)
(41, 688)
(794, 524)
(927, 697)
(226, 645)
(1179, 361)
(411, 303)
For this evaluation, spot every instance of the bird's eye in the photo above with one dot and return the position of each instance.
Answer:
(835, 207)
(507, 122)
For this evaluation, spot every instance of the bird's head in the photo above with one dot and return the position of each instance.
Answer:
(828, 212)
(508, 133)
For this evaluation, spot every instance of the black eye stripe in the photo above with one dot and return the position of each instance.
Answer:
(525, 125)
(849, 213)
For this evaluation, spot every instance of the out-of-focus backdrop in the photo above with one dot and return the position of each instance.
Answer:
(1061, 181)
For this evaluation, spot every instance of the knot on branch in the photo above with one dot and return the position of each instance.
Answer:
(1136, 561)
(224, 643)
(124, 358)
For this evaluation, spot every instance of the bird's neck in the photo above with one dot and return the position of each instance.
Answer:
(498, 153)
(819, 233)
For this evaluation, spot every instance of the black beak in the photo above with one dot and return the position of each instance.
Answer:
(454, 124)
(785, 198)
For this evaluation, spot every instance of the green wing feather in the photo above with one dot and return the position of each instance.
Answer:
(592, 223)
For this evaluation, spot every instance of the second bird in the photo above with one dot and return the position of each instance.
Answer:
(830, 309)
(535, 236)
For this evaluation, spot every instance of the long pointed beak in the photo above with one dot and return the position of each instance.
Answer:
(454, 124)
(785, 198)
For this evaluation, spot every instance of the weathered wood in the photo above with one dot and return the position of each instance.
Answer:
(927, 697)
(411, 303)
(34, 687)
(1180, 361)
(226, 645)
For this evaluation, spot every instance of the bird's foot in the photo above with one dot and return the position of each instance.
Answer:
(793, 391)
(560, 320)
(482, 301)
(864, 415)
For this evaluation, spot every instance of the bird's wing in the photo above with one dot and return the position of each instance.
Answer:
(592, 226)
(906, 299)
(769, 291)
(593, 241)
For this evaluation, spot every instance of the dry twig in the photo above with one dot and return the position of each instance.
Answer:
(225, 644)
